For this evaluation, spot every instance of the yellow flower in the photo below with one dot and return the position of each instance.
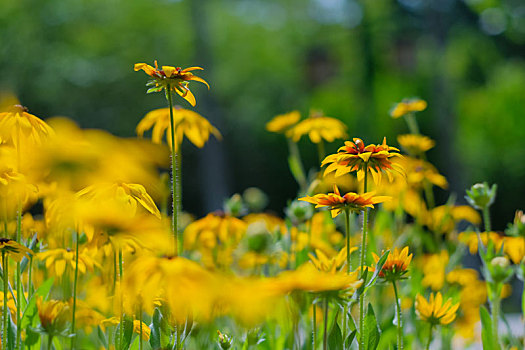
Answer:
(463, 277)
(15, 191)
(196, 128)
(146, 331)
(283, 122)
(408, 106)
(59, 259)
(396, 264)
(128, 195)
(434, 270)
(434, 311)
(471, 240)
(354, 156)
(514, 247)
(318, 127)
(54, 315)
(418, 171)
(175, 78)
(14, 249)
(351, 201)
(415, 144)
(17, 126)
(213, 230)
(443, 219)
(331, 265)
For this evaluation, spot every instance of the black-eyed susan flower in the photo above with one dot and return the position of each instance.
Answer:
(187, 123)
(396, 264)
(58, 260)
(18, 126)
(434, 311)
(434, 266)
(54, 316)
(354, 156)
(13, 249)
(15, 191)
(331, 265)
(351, 201)
(318, 127)
(408, 106)
(139, 326)
(415, 144)
(283, 122)
(171, 78)
(514, 247)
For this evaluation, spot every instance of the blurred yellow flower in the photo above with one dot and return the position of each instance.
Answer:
(195, 127)
(471, 240)
(54, 315)
(514, 247)
(408, 106)
(351, 201)
(146, 331)
(443, 219)
(354, 156)
(434, 266)
(59, 259)
(15, 192)
(174, 78)
(318, 127)
(434, 311)
(17, 126)
(331, 265)
(415, 144)
(13, 249)
(213, 230)
(396, 264)
(283, 122)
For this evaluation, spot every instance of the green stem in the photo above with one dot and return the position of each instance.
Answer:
(178, 199)
(19, 289)
(412, 123)
(75, 280)
(429, 194)
(6, 308)
(30, 278)
(121, 332)
(362, 266)
(321, 151)
(297, 172)
(495, 308)
(140, 330)
(325, 333)
(174, 174)
(345, 323)
(486, 219)
(429, 336)
(348, 263)
(399, 319)
(314, 326)
(49, 342)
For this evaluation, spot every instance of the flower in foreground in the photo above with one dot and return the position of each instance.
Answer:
(16, 125)
(331, 265)
(54, 315)
(396, 264)
(318, 127)
(14, 249)
(408, 106)
(351, 201)
(171, 78)
(354, 156)
(187, 123)
(434, 311)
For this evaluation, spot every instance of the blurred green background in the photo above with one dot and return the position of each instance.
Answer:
(351, 58)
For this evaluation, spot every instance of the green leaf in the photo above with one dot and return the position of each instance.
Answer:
(154, 338)
(128, 332)
(102, 337)
(296, 170)
(378, 268)
(350, 339)
(335, 339)
(486, 329)
(371, 331)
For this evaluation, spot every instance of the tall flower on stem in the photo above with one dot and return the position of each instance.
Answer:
(394, 269)
(170, 79)
(376, 159)
(435, 312)
(406, 109)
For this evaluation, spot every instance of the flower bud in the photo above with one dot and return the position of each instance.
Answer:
(499, 269)
(299, 211)
(480, 196)
(255, 199)
(234, 206)
(225, 341)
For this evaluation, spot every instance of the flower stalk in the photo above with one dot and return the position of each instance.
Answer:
(362, 266)
(6, 308)
(75, 280)
(399, 319)
(325, 333)
(427, 347)
(174, 175)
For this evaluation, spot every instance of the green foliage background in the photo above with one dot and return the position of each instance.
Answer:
(351, 58)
